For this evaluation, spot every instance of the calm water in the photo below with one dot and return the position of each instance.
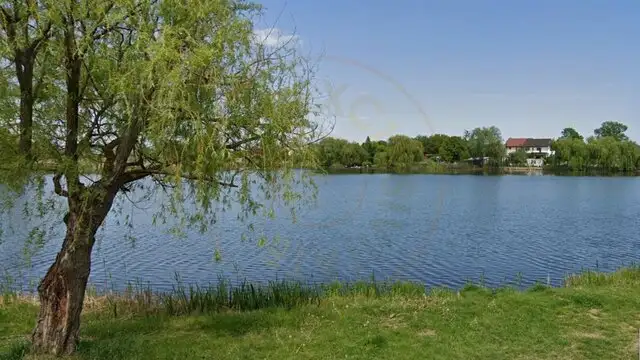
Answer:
(441, 230)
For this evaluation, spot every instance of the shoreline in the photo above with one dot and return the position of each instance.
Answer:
(545, 171)
(322, 289)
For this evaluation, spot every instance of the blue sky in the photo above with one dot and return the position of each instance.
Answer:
(530, 67)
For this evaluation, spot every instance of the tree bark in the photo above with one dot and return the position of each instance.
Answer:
(24, 68)
(61, 291)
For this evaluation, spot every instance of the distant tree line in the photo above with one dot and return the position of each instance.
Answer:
(608, 149)
(401, 152)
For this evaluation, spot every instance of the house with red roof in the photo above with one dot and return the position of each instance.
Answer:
(536, 149)
(514, 144)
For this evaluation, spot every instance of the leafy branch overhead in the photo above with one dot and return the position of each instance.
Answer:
(160, 89)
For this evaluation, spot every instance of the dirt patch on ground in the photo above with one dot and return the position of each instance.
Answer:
(393, 322)
(634, 346)
(594, 313)
(589, 335)
(427, 332)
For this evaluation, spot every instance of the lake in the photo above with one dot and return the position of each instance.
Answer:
(437, 229)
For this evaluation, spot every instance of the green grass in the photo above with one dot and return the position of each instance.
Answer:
(595, 316)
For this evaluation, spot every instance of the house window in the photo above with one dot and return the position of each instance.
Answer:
(539, 149)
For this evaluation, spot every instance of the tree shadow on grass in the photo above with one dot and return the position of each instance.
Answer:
(105, 339)
(239, 324)
(124, 347)
(119, 338)
(122, 338)
(131, 338)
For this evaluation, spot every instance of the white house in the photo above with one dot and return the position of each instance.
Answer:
(538, 149)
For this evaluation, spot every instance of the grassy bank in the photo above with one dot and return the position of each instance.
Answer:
(595, 316)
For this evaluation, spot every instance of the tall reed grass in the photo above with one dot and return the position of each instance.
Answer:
(225, 295)
(623, 276)
(287, 294)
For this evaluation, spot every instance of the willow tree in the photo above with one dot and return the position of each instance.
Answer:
(403, 152)
(177, 92)
(486, 142)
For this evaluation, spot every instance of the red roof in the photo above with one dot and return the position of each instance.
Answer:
(516, 142)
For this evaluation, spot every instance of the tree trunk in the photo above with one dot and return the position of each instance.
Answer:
(24, 65)
(61, 291)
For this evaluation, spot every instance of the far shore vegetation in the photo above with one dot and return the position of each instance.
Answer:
(592, 316)
(482, 150)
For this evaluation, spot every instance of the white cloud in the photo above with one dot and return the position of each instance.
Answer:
(274, 37)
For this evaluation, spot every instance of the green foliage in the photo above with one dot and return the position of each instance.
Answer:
(370, 148)
(612, 129)
(14, 172)
(176, 92)
(381, 160)
(332, 152)
(424, 140)
(448, 148)
(381, 146)
(402, 152)
(454, 149)
(486, 142)
(603, 153)
(518, 157)
(432, 144)
(571, 133)
(354, 155)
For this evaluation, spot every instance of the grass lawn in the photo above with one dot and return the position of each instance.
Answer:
(595, 316)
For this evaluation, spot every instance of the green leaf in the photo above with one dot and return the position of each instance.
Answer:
(262, 241)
